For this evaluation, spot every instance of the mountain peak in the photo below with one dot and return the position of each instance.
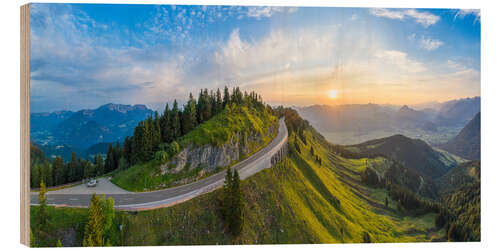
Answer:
(405, 108)
(123, 108)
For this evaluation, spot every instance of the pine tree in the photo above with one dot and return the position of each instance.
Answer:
(35, 175)
(100, 221)
(176, 121)
(72, 168)
(166, 133)
(213, 104)
(147, 143)
(43, 216)
(227, 198)
(237, 96)
(99, 165)
(238, 206)
(137, 144)
(109, 163)
(117, 154)
(386, 202)
(206, 108)
(46, 174)
(218, 102)
(226, 98)
(109, 215)
(89, 170)
(156, 132)
(200, 106)
(80, 169)
(189, 120)
(94, 230)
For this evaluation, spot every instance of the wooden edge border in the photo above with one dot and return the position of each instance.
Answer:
(25, 123)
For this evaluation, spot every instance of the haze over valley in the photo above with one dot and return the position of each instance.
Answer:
(356, 123)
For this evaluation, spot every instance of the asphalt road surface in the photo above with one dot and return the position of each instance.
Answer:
(171, 196)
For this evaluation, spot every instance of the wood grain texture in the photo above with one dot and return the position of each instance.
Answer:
(25, 124)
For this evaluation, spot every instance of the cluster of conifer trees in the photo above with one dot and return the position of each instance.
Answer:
(461, 217)
(398, 180)
(160, 132)
(411, 202)
(370, 177)
(59, 172)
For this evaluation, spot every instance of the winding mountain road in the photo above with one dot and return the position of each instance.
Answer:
(167, 197)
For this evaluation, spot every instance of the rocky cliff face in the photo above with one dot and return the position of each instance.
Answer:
(211, 157)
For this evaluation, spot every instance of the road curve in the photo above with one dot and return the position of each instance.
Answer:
(171, 196)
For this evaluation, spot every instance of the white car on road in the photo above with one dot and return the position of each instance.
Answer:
(92, 183)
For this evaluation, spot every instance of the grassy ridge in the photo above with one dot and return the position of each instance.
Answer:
(297, 201)
(235, 119)
(216, 131)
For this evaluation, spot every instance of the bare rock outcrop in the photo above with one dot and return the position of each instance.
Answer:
(210, 157)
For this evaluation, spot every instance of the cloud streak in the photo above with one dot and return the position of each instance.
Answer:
(462, 13)
(421, 17)
(268, 11)
(429, 43)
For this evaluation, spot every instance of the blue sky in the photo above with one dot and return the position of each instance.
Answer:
(86, 55)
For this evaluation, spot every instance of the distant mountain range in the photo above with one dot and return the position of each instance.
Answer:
(370, 121)
(467, 143)
(458, 112)
(64, 131)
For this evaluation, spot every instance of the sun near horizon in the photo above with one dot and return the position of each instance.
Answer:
(332, 93)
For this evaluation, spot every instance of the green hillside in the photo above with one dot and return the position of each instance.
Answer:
(219, 130)
(463, 217)
(234, 119)
(465, 173)
(312, 196)
(413, 153)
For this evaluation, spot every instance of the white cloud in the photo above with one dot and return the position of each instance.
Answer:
(429, 43)
(400, 59)
(277, 51)
(465, 12)
(268, 11)
(381, 12)
(424, 18)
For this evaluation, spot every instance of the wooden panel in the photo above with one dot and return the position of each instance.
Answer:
(25, 124)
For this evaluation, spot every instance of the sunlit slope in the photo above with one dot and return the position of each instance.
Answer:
(297, 201)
